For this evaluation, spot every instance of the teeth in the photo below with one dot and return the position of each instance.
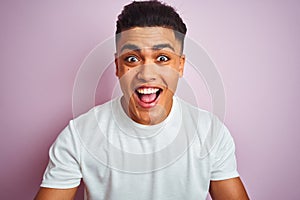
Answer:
(147, 90)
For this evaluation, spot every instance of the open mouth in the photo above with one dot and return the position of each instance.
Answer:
(148, 96)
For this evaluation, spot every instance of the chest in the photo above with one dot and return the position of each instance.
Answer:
(187, 177)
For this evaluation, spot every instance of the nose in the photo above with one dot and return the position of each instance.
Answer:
(147, 73)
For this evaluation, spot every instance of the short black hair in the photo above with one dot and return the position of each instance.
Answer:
(151, 14)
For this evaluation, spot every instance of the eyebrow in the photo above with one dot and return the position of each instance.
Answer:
(156, 47)
(130, 47)
(162, 46)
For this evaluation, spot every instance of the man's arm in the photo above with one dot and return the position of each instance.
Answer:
(56, 194)
(230, 189)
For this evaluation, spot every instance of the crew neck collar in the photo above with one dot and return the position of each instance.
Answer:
(134, 129)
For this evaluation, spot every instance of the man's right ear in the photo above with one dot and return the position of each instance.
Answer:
(117, 64)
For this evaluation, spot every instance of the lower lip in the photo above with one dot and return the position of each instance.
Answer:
(146, 105)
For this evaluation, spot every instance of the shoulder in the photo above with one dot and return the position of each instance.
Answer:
(211, 131)
(86, 128)
(195, 112)
(98, 113)
(196, 117)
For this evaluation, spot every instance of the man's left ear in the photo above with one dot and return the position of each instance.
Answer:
(181, 65)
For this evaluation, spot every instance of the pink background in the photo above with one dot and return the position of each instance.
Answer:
(255, 46)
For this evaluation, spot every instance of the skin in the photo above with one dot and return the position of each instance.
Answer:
(148, 57)
(140, 63)
(230, 189)
(56, 194)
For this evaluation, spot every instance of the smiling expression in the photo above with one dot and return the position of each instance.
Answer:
(148, 64)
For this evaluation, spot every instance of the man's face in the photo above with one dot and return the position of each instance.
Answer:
(148, 63)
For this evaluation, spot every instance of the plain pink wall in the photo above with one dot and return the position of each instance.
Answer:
(255, 46)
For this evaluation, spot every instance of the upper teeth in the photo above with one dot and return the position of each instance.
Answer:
(147, 90)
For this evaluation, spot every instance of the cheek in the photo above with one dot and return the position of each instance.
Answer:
(123, 70)
(174, 65)
(170, 76)
(126, 78)
(169, 72)
(172, 84)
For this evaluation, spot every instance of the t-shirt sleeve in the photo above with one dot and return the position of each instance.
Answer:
(224, 164)
(63, 170)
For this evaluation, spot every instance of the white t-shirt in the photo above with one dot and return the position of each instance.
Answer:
(118, 158)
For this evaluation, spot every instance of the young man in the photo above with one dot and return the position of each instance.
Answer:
(148, 144)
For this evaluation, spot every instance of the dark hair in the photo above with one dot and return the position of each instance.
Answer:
(151, 14)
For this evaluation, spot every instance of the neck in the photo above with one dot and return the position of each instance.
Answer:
(151, 116)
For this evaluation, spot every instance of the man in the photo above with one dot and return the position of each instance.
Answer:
(148, 144)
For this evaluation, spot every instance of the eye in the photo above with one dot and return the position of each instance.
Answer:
(131, 59)
(162, 58)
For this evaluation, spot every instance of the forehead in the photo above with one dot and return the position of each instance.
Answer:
(147, 37)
